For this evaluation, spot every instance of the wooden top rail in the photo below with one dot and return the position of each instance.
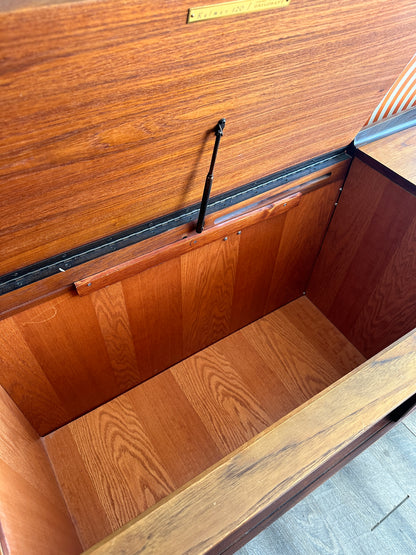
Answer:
(202, 516)
(231, 223)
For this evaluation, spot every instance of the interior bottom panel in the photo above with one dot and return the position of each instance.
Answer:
(118, 460)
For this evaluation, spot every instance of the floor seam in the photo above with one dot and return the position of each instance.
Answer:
(390, 512)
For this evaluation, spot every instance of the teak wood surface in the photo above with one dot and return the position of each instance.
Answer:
(70, 354)
(123, 457)
(205, 515)
(108, 107)
(364, 279)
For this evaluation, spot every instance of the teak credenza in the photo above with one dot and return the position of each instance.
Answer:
(168, 391)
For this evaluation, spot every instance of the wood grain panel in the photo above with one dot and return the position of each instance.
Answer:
(14, 5)
(208, 277)
(326, 339)
(33, 514)
(303, 371)
(299, 246)
(258, 378)
(356, 214)
(365, 286)
(391, 307)
(87, 511)
(393, 216)
(109, 106)
(71, 354)
(126, 478)
(228, 409)
(65, 339)
(26, 382)
(152, 439)
(153, 301)
(258, 249)
(174, 428)
(164, 428)
(110, 308)
(217, 507)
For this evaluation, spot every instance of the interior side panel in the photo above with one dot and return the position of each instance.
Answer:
(364, 277)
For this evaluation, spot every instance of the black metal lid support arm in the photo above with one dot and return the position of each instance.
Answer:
(219, 131)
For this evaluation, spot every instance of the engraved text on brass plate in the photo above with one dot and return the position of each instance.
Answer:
(233, 8)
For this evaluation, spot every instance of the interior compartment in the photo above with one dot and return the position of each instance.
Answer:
(123, 457)
(243, 328)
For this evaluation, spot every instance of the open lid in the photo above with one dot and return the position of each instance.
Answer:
(108, 107)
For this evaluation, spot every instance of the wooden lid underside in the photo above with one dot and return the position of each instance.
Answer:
(108, 107)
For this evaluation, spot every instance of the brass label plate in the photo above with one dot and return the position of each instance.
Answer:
(233, 8)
